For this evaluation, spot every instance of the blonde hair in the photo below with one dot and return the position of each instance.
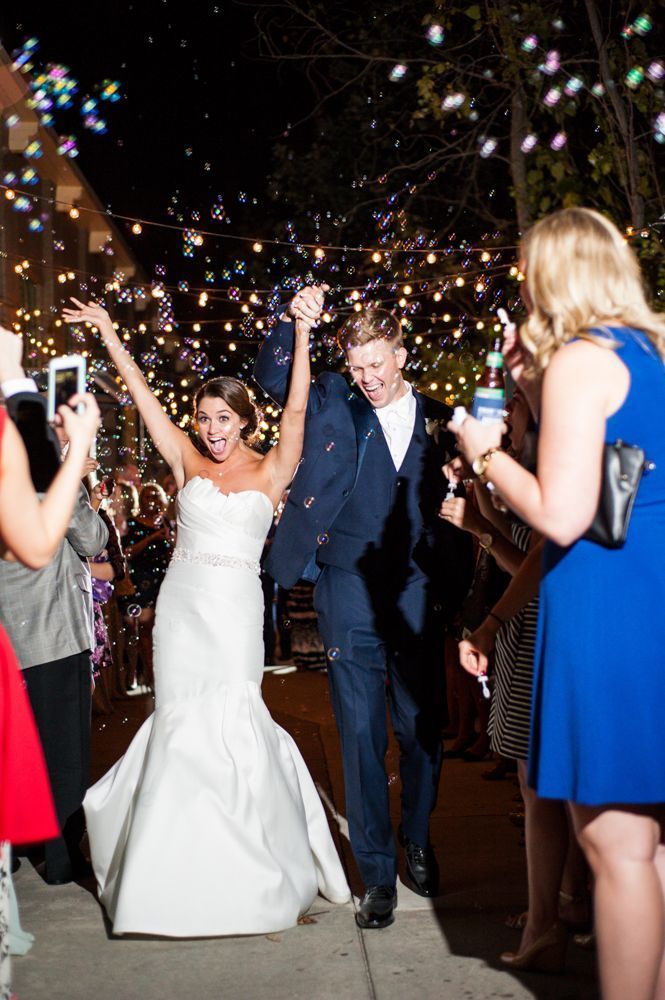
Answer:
(370, 324)
(581, 274)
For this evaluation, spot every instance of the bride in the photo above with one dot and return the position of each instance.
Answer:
(210, 824)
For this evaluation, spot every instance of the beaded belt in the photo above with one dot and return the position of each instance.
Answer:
(214, 559)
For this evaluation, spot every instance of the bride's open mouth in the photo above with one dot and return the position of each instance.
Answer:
(217, 446)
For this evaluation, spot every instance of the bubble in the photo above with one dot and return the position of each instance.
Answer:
(133, 610)
(286, 623)
(281, 356)
(452, 102)
(642, 24)
(574, 85)
(334, 653)
(529, 142)
(634, 77)
(370, 433)
(558, 141)
(551, 64)
(308, 501)
(656, 71)
(330, 445)
(199, 360)
(435, 34)
(487, 148)
(529, 43)
(392, 778)
(397, 72)
(323, 538)
(552, 97)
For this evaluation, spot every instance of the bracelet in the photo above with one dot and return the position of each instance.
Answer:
(501, 621)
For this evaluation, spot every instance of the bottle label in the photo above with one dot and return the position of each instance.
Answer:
(488, 405)
(494, 359)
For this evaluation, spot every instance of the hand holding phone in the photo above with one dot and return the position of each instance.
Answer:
(80, 419)
(66, 378)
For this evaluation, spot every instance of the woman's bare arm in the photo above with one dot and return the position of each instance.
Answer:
(171, 442)
(32, 530)
(282, 461)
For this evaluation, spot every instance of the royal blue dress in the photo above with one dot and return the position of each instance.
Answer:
(598, 719)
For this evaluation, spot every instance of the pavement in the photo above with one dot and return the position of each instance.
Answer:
(445, 949)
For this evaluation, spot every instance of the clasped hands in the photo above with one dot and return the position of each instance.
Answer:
(306, 306)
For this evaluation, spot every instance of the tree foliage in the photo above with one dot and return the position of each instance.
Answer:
(453, 126)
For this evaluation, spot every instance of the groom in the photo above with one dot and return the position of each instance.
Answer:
(361, 520)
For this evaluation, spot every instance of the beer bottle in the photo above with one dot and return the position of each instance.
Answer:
(490, 396)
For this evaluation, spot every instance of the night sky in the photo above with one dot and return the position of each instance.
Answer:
(199, 113)
(192, 144)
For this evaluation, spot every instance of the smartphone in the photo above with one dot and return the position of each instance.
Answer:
(107, 486)
(66, 378)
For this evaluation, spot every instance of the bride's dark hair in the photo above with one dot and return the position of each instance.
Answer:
(235, 394)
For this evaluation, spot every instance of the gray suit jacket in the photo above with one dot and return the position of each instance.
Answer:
(48, 612)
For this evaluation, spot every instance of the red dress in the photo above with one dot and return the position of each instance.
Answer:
(27, 813)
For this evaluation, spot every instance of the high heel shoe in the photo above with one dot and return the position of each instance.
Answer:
(580, 904)
(586, 941)
(546, 954)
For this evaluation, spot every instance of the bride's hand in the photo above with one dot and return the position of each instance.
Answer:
(91, 313)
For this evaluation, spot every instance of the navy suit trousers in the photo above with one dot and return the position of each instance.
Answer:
(383, 654)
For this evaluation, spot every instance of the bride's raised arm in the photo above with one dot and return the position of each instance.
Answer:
(282, 460)
(172, 443)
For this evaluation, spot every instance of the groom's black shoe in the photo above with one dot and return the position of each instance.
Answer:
(421, 867)
(377, 907)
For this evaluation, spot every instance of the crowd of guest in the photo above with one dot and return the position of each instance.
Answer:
(84, 557)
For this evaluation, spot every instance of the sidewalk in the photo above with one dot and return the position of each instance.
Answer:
(448, 950)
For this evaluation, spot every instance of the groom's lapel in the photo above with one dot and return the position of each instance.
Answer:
(365, 421)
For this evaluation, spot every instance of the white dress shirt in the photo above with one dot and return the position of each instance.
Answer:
(397, 421)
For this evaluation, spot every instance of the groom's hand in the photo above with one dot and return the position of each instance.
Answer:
(307, 305)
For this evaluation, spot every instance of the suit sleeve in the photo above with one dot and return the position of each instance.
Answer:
(28, 411)
(87, 534)
(272, 369)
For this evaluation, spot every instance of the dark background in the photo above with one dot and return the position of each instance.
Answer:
(198, 115)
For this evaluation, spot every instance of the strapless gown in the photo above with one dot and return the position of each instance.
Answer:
(210, 824)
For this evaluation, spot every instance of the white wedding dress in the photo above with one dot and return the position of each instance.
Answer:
(211, 824)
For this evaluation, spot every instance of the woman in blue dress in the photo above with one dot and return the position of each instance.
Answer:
(599, 687)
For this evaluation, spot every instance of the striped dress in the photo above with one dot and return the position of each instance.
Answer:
(510, 712)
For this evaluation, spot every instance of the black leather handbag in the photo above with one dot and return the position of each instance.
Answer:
(623, 468)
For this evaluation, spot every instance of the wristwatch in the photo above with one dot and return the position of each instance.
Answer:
(479, 465)
(486, 541)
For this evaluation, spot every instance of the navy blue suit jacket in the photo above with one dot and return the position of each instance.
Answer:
(338, 419)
